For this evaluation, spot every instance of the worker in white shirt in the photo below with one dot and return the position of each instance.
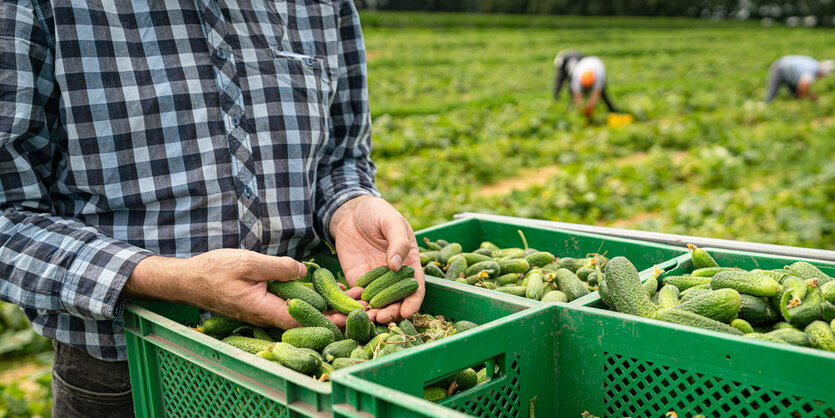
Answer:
(588, 78)
(797, 72)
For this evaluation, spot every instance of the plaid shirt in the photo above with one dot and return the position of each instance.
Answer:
(131, 128)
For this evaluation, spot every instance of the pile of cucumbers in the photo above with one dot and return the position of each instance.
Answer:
(319, 347)
(793, 305)
(525, 272)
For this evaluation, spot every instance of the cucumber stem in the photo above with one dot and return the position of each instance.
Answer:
(524, 241)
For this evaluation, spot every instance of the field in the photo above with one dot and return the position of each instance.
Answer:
(464, 120)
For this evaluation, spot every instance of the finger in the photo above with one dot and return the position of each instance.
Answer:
(354, 292)
(372, 314)
(389, 313)
(341, 286)
(400, 239)
(337, 318)
(267, 267)
(364, 303)
(411, 304)
(271, 311)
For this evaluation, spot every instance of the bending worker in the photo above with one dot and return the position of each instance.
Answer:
(798, 72)
(587, 75)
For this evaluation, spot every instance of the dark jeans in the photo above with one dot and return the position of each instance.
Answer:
(84, 386)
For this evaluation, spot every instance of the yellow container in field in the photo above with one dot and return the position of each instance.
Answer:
(614, 120)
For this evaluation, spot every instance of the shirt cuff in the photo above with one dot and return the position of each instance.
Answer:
(325, 213)
(94, 281)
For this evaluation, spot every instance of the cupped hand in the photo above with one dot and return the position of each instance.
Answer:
(231, 282)
(369, 233)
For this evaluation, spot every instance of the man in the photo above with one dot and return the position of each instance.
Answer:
(180, 151)
(589, 78)
(797, 72)
(564, 63)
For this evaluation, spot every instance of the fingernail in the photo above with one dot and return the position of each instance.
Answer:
(396, 262)
(302, 270)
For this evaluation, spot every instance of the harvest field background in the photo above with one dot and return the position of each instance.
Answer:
(464, 120)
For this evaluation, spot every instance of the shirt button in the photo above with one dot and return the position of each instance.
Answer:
(221, 54)
(247, 191)
(236, 120)
(309, 62)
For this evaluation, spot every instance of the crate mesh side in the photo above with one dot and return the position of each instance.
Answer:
(189, 390)
(505, 402)
(635, 387)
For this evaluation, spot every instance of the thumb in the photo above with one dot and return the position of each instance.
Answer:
(267, 267)
(400, 238)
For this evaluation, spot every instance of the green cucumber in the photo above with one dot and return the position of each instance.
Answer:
(513, 252)
(744, 282)
(314, 338)
(394, 293)
(473, 258)
(219, 325)
(777, 275)
(250, 345)
(434, 394)
(765, 337)
(827, 311)
(371, 275)
(338, 349)
(482, 375)
(428, 257)
(792, 336)
(570, 263)
(720, 305)
(603, 291)
(325, 285)
(583, 273)
(358, 354)
(297, 359)
(262, 334)
(535, 288)
(266, 354)
(701, 259)
(555, 296)
(593, 279)
(386, 280)
(513, 290)
(668, 297)
(489, 245)
(828, 291)
(685, 282)
(309, 316)
(358, 327)
(491, 267)
(650, 286)
(782, 325)
(448, 252)
(625, 290)
(376, 344)
(710, 271)
(820, 335)
(431, 245)
(807, 312)
(539, 259)
(682, 317)
(432, 269)
(484, 251)
(456, 268)
(743, 326)
(807, 271)
(692, 293)
(461, 326)
(466, 379)
(514, 265)
(341, 363)
(757, 311)
(410, 330)
(570, 284)
(296, 290)
(796, 288)
(507, 279)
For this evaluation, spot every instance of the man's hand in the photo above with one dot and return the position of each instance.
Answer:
(227, 281)
(370, 233)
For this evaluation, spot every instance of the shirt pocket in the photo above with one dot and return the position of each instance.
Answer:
(305, 86)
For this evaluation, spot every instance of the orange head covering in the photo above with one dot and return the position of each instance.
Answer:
(587, 79)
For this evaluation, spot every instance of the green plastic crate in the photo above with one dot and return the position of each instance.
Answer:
(471, 232)
(571, 358)
(178, 372)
